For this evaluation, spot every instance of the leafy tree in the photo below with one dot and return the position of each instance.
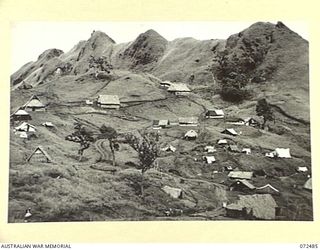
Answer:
(145, 144)
(264, 109)
(110, 134)
(82, 136)
(100, 63)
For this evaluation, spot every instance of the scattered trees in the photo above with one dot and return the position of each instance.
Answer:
(82, 136)
(264, 109)
(100, 63)
(145, 144)
(110, 134)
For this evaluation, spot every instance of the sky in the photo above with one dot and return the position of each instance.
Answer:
(30, 39)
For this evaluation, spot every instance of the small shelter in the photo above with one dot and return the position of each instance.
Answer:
(25, 127)
(222, 142)
(234, 148)
(21, 115)
(247, 151)
(267, 189)
(173, 192)
(191, 135)
(210, 149)
(108, 101)
(250, 121)
(165, 84)
(214, 114)
(229, 131)
(257, 206)
(209, 159)
(308, 184)
(282, 153)
(240, 175)
(302, 169)
(241, 185)
(39, 155)
(34, 104)
(228, 168)
(161, 123)
(169, 148)
(48, 124)
(188, 121)
(179, 89)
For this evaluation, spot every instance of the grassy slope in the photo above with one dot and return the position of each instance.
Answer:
(83, 193)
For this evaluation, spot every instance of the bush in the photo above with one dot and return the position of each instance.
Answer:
(233, 94)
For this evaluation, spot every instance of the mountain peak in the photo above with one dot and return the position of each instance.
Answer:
(99, 35)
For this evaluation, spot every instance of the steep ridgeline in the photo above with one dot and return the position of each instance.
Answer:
(272, 58)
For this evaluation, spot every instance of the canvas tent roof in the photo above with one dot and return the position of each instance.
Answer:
(230, 131)
(308, 184)
(108, 99)
(222, 141)
(210, 149)
(261, 206)
(41, 150)
(246, 150)
(25, 127)
(163, 122)
(178, 87)
(240, 175)
(34, 101)
(234, 148)
(210, 159)
(173, 192)
(217, 112)
(188, 120)
(21, 112)
(282, 152)
(191, 133)
(169, 148)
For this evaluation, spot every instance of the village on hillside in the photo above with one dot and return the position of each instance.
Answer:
(113, 144)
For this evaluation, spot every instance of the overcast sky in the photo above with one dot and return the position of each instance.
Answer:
(30, 39)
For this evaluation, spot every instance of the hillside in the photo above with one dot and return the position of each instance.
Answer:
(274, 59)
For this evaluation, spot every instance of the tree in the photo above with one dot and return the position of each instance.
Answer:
(110, 134)
(82, 136)
(145, 144)
(264, 109)
(100, 63)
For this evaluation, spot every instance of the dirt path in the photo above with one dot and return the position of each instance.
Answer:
(103, 149)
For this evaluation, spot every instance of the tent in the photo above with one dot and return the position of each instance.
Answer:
(247, 151)
(161, 123)
(308, 184)
(234, 148)
(215, 114)
(21, 115)
(40, 155)
(188, 121)
(240, 175)
(222, 142)
(209, 159)
(302, 169)
(191, 134)
(179, 89)
(229, 131)
(210, 149)
(48, 124)
(169, 148)
(173, 192)
(108, 101)
(282, 153)
(34, 104)
(26, 127)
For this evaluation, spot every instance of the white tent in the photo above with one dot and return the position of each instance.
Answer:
(302, 169)
(246, 151)
(210, 149)
(191, 134)
(26, 127)
(209, 159)
(222, 141)
(282, 152)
